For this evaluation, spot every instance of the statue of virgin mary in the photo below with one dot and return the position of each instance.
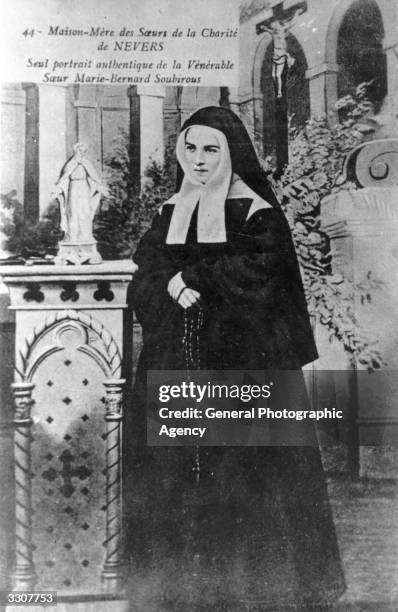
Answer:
(78, 191)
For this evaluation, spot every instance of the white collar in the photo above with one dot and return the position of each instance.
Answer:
(237, 190)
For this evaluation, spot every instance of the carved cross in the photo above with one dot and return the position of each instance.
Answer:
(278, 26)
(67, 473)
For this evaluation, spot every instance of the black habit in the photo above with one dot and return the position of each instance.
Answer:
(256, 531)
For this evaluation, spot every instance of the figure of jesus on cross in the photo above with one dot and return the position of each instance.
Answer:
(278, 26)
(280, 56)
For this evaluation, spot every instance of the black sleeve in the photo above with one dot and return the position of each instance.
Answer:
(259, 267)
(155, 269)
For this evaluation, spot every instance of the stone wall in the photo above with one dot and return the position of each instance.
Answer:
(362, 225)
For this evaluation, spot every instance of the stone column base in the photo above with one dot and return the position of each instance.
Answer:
(78, 253)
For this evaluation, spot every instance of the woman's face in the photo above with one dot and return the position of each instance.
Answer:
(202, 152)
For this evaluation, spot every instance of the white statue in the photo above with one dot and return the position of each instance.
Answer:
(78, 191)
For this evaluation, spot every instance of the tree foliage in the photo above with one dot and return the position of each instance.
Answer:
(127, 214)
(28, 239)
(316, 155)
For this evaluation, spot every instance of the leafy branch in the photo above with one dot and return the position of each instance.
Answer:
(128, 213)
(28, 239)
(317, 155)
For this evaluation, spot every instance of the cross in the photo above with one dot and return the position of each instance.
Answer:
(278, 26)
(67, 473)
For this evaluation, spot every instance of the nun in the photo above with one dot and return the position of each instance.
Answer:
(219, 288)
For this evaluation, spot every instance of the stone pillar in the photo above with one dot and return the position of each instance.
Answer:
(12, 164)
(234, 100)
(31, 154)
(389, 15)
(362, 226)
(52, 139)
(135, 135)
(172, 115)
(151, 125)
(87, 108)
(73, 336)
(323, 89)
(12, 156)
(188, 102)
(111, 573)
(24, 575)
(251, 113)
(390, 104)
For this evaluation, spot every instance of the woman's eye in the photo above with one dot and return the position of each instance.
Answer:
(189, 148)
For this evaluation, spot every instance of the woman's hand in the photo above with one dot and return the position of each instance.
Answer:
(182, 294)
(189, 297)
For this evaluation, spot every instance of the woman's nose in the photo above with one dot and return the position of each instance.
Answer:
(199, 157)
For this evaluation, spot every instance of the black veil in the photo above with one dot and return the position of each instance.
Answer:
(243, 156)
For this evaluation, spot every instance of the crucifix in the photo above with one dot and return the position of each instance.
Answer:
(278, 26)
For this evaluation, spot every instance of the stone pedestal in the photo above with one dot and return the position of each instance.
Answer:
(77, 253)
(363, 229)
(71, 369)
